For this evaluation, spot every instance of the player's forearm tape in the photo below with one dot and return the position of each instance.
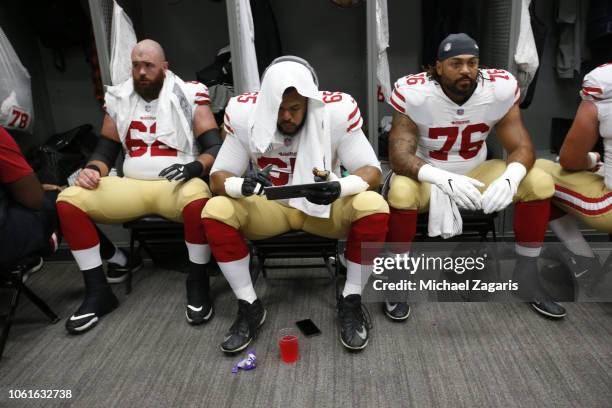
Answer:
(233, 187)
(352, 185)
(515, 171)
(106, 151)
(210, 142)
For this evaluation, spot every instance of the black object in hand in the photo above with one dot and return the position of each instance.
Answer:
(253, 178)
(324, 196)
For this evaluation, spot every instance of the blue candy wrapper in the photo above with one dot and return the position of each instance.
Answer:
(248, 363)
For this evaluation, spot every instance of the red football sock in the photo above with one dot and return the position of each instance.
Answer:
(372, 228)
(192, 222)
(226, 243)
(402, 230)
(78, 229)
(530, 220)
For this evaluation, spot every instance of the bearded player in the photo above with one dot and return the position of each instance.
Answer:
(294, 127)
(442, 120)
(582, 188)
(169, 138)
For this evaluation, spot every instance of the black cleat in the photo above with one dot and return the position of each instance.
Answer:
(548, 308)
(527, 275)
(116, 273)
(354, 322)
(251, 316)
(397, 312)
(199, 307)
(94, 306)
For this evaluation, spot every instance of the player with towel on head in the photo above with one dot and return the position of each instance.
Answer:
(293, 126)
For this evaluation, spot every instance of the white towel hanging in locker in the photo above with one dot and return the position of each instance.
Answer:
(123, 40)
(526, 55)
(382, 42)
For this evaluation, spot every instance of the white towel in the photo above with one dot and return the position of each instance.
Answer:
(123, 40)
(444, 217)
(174, 112)
(382, 43)
(314, 146)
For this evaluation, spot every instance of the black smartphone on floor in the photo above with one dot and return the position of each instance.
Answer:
(308, 328)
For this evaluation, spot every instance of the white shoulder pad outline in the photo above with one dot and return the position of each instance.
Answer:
(410, 92)
(238, 111)
(597, 84)
(504, 84)
(343, 111)
(198, 93)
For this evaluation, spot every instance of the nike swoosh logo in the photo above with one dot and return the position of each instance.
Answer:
(195, 309)
(581, 273)
(362, 333)
(227, 338)
(391, 306)
(73, 318)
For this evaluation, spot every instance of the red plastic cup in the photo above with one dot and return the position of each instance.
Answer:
(288, 344)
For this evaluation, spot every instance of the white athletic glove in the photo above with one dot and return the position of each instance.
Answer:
(461, 189)
(500, 192)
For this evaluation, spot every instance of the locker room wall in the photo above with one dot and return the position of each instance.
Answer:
(331, 39)
(554, 97)
(191, 32)
(71, 93)
(404, 43)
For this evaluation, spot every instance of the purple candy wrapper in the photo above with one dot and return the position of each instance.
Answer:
(248, 363)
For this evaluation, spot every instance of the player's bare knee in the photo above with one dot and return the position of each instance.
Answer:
(537, 185)
(369, 202)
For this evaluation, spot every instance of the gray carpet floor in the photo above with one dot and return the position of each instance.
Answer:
(446, 355)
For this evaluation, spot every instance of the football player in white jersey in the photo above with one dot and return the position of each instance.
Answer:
(294, 127)
(170, 138)
(442, 120)
(583, 185)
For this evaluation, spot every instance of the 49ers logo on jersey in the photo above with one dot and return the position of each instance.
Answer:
(468, 148)
(137, 147)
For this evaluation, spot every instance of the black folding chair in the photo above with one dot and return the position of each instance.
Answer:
(11, 279)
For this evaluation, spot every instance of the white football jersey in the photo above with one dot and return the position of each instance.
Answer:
(452, 137)
(597, 87)
(145, 155)
(349, 145)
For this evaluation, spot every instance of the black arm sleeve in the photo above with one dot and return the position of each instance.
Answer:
(210, 142)
(106, 151)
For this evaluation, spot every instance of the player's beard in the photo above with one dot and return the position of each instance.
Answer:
(149, 90)
(294, 128)
(458, 88)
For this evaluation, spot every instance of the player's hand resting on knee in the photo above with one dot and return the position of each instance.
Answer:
(461, 189)
(88, 178)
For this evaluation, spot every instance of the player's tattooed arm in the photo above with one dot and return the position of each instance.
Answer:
(514, 137)
(403, 140)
